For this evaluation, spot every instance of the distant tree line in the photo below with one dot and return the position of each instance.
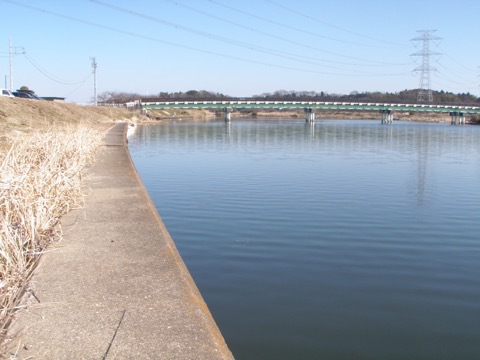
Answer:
(405, 96)
(118, 97)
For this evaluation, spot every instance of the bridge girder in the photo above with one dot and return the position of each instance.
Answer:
(316, 106)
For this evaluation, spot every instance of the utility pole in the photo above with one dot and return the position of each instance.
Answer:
(13, 51)
(10, 48)
(94, 70)
(425, 90)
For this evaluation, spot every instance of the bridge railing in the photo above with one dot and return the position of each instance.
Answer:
(315, 105)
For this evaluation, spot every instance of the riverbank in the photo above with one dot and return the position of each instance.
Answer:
(40, 180)
(115, 285)
(20, 117)
(44, 149)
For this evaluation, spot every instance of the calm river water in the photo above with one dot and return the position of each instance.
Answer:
(339, 240)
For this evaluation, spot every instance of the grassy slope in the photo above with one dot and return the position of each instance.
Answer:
(22, 116)
(39, 181)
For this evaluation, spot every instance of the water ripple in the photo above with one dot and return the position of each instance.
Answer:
(348, 239)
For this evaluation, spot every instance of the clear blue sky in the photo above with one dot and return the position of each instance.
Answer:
(238, 48)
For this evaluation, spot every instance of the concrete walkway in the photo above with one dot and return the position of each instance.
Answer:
(115, 287)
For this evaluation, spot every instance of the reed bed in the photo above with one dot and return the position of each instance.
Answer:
(40, 180)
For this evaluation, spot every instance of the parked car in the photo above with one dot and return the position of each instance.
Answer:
(29, 94)
(22, 94)
(6, 93)
(35, 96)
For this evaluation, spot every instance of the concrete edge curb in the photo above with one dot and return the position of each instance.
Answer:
(192, 287)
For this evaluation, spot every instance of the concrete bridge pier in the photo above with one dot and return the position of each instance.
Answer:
(228, 114)
(309, 115)
(458, 118)
(387, 116)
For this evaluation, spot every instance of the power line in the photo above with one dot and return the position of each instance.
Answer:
(49, 75)
(292, 42)
(465, 80)
(459, 87)
(282, 54)
(455, 60)
(191, 48)
(78, 87)
(330, 25)
(219, 18)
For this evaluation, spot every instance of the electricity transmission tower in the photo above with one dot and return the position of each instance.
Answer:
(94, 70)
(425, 90)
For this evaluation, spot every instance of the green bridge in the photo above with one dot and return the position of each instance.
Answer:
(310, 107)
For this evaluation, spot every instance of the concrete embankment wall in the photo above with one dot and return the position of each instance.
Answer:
(115, 286)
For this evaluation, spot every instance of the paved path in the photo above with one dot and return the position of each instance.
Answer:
(115, 287)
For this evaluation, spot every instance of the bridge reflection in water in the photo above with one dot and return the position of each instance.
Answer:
(246, 130)
(333, 135)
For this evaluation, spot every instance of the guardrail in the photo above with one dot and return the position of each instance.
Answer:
(315, 105)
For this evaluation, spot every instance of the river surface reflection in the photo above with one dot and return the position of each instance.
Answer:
(339, 240)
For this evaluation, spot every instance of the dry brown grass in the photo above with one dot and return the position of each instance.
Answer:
(44, 148)
(40, 180)
(22, 116)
